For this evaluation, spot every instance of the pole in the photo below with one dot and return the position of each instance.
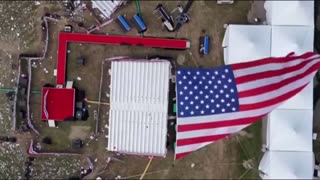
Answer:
(137, 3)
(146, 169)
(138, 7)
(5, 90)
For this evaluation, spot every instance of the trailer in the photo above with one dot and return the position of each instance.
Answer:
(140, 25)
(121, 20)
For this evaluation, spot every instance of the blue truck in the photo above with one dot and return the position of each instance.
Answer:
(138, 22)
(121, 20)
(204, 45)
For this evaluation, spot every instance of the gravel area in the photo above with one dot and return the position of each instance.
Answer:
(11, 161)
(54, 167)
(17, 23)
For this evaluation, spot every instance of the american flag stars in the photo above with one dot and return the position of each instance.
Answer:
(205, 92)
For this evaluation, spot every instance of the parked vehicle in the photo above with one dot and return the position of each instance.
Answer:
(121, 20)
(204, 45)
(140, 25)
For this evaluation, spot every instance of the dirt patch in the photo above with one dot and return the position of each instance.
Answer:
(79, 132)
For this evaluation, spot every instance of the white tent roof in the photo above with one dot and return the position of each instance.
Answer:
(297, 12)
(139, 107)
(246, 42)
(287, 165)
(286, 39)
(290, 130)
(107, 7)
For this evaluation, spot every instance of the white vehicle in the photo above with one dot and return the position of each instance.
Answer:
(67, 28)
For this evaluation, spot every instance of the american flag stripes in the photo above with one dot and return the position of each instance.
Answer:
(213, 103)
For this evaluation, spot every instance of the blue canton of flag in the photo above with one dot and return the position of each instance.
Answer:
(206, 91)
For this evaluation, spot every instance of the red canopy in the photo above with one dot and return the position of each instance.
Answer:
(57, 103)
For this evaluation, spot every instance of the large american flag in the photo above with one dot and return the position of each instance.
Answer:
(213, 103)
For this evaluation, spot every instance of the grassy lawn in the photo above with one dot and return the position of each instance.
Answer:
(251, 149)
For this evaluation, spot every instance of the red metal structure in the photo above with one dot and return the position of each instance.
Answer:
(64, 38)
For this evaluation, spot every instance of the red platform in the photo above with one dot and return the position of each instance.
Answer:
(110, 39)
(58, 103)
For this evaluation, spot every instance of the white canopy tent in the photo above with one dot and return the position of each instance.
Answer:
(289, 130)
(107, 7)
(287, 165)
(246, 42)
(286, 39)
(298, 12)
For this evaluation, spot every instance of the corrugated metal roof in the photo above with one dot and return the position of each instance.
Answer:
(139, 107)
(107, 7)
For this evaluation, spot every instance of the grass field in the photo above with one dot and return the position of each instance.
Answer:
(251, 150)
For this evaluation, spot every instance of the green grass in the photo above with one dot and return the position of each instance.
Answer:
(253, 145)
(251, 149)
(60, 136)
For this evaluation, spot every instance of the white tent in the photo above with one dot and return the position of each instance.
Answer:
(246, 42)
(139, 97)
(287, 165)
(297, 12)
(289, 130)
(107, 7)
(286, 39)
